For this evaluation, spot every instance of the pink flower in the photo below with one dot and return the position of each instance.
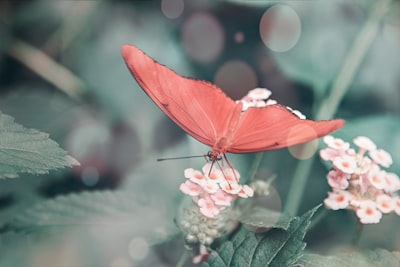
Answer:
(338, 200)
(330, 153)
(368, 212)
(231, 175)
(377, 177)
(338, 179)
(259, 94)
(365, 143)
(345, 163)
(381, 157)
(195, 176)
(221, 198)
(336, 143)
(392, 182)
(246, 191)
(191, 189)
(213, 174)
(358, 181)
(207, 207)
(214, 189)
(385, 203)
(231, 188)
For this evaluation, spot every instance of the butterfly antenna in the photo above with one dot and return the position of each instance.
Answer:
(186, 157)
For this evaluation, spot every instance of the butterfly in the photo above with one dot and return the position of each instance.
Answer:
(206, 113)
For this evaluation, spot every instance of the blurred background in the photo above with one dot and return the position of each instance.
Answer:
(61, 72)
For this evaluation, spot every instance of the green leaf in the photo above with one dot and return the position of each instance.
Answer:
(260, 218)
(273, 248)
(28, 150)
(369, 258)
(122, 211)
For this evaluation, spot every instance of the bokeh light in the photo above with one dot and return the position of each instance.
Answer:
(303, 151)
(236, 77)
(202, 37)
(138, 248)
(172, 9)
(90, 176)
(89, 136)
(280, 28)
(239, 37)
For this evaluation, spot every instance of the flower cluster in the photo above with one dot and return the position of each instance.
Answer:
(259, 98)
(214, 189)
(357, 180)
(208, 216)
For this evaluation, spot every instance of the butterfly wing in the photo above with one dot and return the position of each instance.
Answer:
(274, 127)
(200, 108)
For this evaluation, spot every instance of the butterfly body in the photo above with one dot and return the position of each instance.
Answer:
(206, 113)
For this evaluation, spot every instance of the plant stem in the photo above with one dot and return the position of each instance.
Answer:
(47, 68)
(183, 258)
(254, 166)
(357, 234)
(340, 86)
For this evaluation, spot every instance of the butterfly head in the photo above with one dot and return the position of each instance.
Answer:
(214, 155)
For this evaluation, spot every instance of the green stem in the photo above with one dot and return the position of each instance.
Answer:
(183, 259)
(340, 86)
(357, 234)
(254, 167)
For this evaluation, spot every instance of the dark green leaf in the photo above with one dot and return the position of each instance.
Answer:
(273, 248)
(119, 210)
(368, 258)
(28, 150)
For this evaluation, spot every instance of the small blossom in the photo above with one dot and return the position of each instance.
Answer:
(190, 188)
(259, 104)
(338, 179)
(364, 164)
(246, 191)
(259, 94)
(364, 143)
(208, 207)
(195, 176)
(377, 178)
(211, 187)
(338, 200)
(221, 198)
(381, 157)
(231, 188)
(385, 203)
(231, 175)
(345, 163)
(368, 212)
(213, 174)
(297, 113)
(336, 143)
(330, 153)
(392, 182)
